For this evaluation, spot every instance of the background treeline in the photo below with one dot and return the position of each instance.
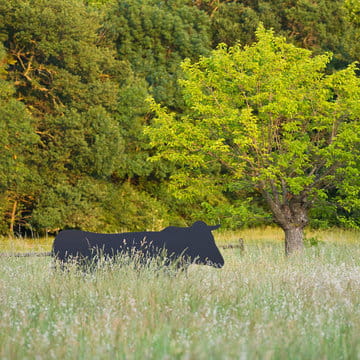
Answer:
(74, 78)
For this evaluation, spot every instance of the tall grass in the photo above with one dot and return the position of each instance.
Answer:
(259, 306)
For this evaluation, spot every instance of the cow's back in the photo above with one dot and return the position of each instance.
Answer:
(76, 243)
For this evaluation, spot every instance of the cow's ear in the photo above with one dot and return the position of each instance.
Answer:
(214, 227)
(202, 225)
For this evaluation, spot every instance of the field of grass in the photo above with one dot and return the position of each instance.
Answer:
(259, 306)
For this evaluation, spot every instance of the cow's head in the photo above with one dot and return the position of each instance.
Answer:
(203, 249)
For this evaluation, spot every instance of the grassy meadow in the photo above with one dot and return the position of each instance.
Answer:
(261, 305)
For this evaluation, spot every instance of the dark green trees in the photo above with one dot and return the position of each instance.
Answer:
(322, 25)
(155, 36)
(69, 83)
(74, 78)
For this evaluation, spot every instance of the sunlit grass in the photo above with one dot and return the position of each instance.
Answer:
(20, 244)
(265, 234)
(255, 235)
(276, 235)
(261, 305)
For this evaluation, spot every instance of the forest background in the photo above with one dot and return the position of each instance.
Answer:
(75, 77)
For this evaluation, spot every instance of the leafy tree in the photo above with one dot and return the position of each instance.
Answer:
(265, 117)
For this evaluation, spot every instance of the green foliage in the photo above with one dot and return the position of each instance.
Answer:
(142, 210)
(86, 143)
(313, 241)
(235, 214)
(352, 7)
(132, 110)
(98, 3)
(17, 133)
(74, 205)
(269, 115)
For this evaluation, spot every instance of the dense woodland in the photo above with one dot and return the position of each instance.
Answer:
(75, 79)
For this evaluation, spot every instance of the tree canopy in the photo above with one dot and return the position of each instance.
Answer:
(74, 78)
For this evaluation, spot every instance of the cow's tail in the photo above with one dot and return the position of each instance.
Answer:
(26, 254)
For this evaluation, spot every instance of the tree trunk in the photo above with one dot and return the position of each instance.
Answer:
(12, 218)
(294, 239)
(292, 216)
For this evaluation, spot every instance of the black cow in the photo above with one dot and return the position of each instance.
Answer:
(193, 244)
